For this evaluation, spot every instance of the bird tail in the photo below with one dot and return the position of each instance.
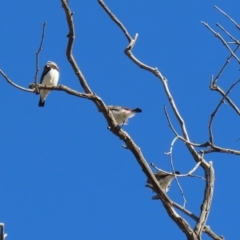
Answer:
(137, 110)
(40, 103)
(156, 197)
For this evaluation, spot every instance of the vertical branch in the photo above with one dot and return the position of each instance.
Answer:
(208, 194)
(71, 37)
(37, 55)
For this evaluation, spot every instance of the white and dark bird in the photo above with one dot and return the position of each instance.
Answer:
(164, 180)
(122, 114)
(50, 76)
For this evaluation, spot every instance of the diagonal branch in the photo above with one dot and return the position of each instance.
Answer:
(231, 103)
(230, 35)
(226, 15)
(117, 131)
(222, 40)
(215, 111)
(224, 66)
(128, 51)
(114, 18)
(206, 229)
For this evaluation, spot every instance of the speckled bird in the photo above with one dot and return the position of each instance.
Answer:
(122, 114)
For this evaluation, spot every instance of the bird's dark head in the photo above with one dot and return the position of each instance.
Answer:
(52, 65)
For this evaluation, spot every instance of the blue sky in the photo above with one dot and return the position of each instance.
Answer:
(63, 174)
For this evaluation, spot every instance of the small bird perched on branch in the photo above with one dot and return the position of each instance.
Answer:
(164, 180)
(50, 76)
(122, 114)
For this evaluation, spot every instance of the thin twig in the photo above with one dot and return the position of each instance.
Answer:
(114, 18)
(231, 103)
(224, 66)
(217, 149)
(169, 121)
(189, 174)
(14, 84)
(236, 24)
(173, 169)
(222, 40)
(206, 229)
(215, 112)
(223, 29)
(37, 55)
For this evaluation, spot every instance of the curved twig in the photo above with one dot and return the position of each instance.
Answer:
(14, 84)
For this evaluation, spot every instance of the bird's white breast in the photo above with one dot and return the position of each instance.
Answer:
(51, 78)
(122, 115)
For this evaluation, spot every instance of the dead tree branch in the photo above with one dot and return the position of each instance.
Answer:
(222, 40)
(226, 15)
(215, 111)
(113, 127)
(208, 194)
(128, 51)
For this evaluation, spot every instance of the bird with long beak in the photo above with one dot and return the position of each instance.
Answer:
(122, 114)
(50, 76)
(164, 180)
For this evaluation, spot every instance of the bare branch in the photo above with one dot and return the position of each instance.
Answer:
(173, 169)
(208, 194)
(189, 174)
(65, 89)
(113, 127)
(71, 37)
(206, 229)
(224, 30)
(113, 17)
(157, 73)
(224, 66)
(231, 103)
(222, 40)
(215, 148)
(169, 121)
(38, 52)
(14, 84)
(33, 88)
(236, 24)
(215, 111)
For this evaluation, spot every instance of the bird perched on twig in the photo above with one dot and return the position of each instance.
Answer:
(164, 180)
(122, 114)
(50, 76)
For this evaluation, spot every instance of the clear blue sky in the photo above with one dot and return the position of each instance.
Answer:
(63, 174)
